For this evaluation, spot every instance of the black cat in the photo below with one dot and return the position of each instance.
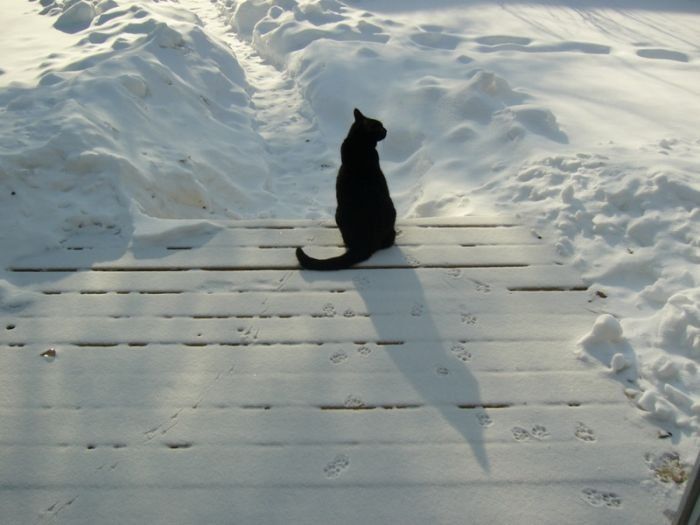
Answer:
(365, 213)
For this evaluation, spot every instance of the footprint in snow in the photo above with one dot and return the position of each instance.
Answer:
(435, 40)
(663, 54)
(496, 40)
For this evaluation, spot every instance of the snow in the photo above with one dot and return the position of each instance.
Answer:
(139, 122)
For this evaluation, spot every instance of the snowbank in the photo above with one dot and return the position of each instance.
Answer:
(146, 115)
(632, 227)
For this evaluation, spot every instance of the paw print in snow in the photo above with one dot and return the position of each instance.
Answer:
(364, 350)
(469, 319)
(484, 419)
(328, 310)
(520, 434)
(348, 313)
(598, 498)
(442, 371)
(461, 353)
(353, 402)
(584, 433)
(338, 357)
(417, 310)
(454, 272)
(539, 432)
(336, 467)
(483, 287)
(412, 261)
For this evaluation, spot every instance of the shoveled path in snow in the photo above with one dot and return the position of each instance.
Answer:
(200, 377)
(283, 118)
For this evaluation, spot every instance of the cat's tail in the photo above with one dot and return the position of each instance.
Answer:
(334, 263)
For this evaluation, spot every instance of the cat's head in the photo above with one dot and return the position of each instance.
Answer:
(371, 128)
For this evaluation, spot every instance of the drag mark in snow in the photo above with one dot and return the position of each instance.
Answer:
(55, 509)
(164, 427)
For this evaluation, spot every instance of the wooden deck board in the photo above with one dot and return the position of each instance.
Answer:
(445, 365)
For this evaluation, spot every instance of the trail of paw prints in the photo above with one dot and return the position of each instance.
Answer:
(538, 432)
(584, 433)
(597, 498)
(337, 466)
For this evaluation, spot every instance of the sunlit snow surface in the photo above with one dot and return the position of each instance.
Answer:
(117, 116)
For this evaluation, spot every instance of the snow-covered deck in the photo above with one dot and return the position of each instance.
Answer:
(200, 377)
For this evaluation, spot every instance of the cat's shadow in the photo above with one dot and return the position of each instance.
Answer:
(426, 361)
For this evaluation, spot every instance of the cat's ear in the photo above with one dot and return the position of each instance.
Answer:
(358, 115)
